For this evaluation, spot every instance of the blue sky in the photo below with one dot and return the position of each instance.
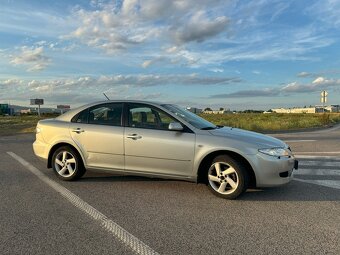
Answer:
(234, 54)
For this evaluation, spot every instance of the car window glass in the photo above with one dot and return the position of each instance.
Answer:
(141, 116)
(81, 117)
(106, 114)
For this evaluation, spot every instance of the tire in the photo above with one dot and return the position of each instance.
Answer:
(67, 164)
(227, 177)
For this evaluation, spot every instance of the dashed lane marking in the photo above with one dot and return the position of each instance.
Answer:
(317, 172)
(318, 169)
(300, 156)
(132, 242)
(320, 163)
(318, 152)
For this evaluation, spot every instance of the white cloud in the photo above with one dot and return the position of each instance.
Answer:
(116, 84)
(304, 74)
(114, 27)
(327, 11)
(316, 85)
(88, 88)
(216, 70)
(33, 59)
(199, 28)
(319, 80)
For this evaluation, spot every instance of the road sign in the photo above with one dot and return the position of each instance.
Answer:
(323, 100)
(38, 102)
(324, 93)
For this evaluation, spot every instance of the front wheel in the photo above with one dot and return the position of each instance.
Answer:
(227, 177)
(67, 164)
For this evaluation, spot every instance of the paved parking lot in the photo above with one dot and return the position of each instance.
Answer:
(42, 215)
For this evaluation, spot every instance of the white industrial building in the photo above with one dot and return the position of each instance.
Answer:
(315, 109)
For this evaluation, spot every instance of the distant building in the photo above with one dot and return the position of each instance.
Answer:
(194, 110)
(222, 111)
(4, 109)
(315, 109)
(25, 111)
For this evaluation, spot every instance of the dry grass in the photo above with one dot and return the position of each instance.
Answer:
(273, 121)
(11, 125)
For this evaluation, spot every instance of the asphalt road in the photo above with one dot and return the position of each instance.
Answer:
(170, 217)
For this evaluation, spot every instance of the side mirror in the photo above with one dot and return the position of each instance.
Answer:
(176, 126)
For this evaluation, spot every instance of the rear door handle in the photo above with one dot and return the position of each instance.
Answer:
(134, 136)
(78, 130)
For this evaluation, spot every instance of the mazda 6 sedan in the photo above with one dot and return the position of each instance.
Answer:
(164, 141)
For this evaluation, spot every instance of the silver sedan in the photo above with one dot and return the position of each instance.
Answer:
(161, 140)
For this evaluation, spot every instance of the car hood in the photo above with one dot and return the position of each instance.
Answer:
(262, 141)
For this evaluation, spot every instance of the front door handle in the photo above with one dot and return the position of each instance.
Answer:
(78, 130)
(134, 136)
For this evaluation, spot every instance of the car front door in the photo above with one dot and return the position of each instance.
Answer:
(98, 132)
(150, 147)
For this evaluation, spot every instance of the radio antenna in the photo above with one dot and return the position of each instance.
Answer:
(106, 96)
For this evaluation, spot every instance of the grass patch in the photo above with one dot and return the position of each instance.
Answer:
(273, 121)
(11, 125)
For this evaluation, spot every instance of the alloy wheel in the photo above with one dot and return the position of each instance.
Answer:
(223, 178)
(65, 164)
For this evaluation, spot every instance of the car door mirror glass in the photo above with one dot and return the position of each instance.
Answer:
(176, 126)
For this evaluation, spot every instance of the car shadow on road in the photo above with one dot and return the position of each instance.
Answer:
(294, 191)
(108, 177)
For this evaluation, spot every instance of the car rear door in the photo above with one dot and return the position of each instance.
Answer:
(98, 132)
(150, 147)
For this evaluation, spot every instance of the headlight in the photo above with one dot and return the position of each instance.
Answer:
(275, 152)
(37, 130)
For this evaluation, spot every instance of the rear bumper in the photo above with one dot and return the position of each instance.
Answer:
(273, 171)
(41, 149)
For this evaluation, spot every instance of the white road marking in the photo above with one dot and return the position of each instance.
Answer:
(326, 183)
(316, 172)
(298, 156)
(117, 231)
(319, 163)
(305, 170)
(299, 141)
(319, 152)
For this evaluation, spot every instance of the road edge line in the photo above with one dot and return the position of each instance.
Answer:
(129, 240)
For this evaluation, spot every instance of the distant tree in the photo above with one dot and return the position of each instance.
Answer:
(207, 109)
(252, 111)
(221, 109)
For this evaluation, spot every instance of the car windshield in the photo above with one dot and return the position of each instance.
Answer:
(190, 117)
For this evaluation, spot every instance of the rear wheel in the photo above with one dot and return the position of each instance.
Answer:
(67, 164)
(227, 177)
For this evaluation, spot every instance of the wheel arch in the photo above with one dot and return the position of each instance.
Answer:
(58, 145)
(206, 161)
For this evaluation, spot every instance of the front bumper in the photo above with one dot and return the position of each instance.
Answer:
(273, 171)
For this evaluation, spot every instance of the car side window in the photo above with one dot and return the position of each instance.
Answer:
(143, 116)
(81, 117)
(106, 114)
